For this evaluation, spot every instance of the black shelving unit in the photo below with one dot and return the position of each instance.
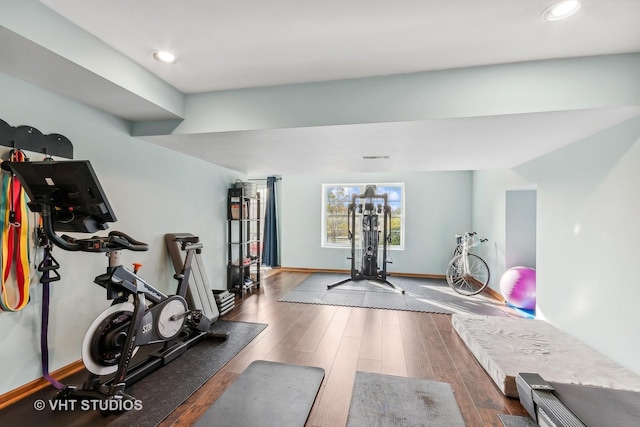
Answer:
(243, 241)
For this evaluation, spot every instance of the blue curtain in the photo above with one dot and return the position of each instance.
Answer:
(270, 244)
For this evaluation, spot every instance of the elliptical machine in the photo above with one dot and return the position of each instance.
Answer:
(69, 198)
(367, 254)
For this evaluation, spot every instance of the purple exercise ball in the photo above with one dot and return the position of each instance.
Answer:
(518, 286)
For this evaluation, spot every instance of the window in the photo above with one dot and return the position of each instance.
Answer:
(335, 213)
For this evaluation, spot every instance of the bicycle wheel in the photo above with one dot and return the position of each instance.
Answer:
(473, 282)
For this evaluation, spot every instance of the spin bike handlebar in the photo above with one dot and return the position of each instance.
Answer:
(116, 240)
(126, 242)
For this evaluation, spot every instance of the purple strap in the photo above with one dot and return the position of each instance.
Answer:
(44, 347)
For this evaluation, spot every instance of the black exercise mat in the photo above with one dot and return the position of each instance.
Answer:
(266, 394)
(516, 421)
(158, 394)
(425, 295)
(386, 400)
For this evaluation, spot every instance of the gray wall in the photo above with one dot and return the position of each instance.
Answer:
(588, 210)
(438, 206)
(152, 190)
(520, 237)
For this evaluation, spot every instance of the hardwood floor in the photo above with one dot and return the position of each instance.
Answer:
(343, 340)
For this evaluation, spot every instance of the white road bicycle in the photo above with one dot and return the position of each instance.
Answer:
(467, 274)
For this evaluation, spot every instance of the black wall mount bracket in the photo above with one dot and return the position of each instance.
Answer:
(29, 138)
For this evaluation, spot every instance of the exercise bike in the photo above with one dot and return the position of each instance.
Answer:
(139, 316)
(69, 198)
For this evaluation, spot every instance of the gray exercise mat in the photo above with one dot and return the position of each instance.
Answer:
(386, 400)
(266, 394)
(421, 294)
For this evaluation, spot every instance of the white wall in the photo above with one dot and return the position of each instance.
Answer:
(588, 211)
(438, 205)
(152, 190)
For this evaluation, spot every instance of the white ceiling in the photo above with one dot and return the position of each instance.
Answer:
(224, 44)
(249, 43)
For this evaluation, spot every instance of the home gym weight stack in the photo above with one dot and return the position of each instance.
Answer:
(367, 251)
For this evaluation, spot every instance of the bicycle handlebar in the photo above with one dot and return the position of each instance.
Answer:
(468, 234)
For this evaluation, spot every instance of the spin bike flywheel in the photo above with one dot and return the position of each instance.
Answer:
(105, 340)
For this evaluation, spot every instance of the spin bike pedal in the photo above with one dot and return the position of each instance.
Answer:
(65, 392)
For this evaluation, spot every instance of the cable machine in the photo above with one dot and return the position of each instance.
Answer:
(368, 252)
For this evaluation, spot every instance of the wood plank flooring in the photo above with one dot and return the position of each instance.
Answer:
(343, 340)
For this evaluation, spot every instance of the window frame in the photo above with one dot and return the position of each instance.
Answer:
(324, 202)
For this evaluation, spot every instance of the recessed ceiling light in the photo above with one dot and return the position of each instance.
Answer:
(561, 10)
(164, 56)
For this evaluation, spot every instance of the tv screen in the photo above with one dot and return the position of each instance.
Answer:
(71, 188)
